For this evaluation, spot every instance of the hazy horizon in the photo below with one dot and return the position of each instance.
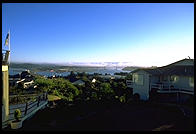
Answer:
(92, 64)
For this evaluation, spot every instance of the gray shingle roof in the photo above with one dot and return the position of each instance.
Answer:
(171, 69)
(179, 70)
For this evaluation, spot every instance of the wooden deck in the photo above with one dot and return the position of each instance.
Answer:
(27, 109)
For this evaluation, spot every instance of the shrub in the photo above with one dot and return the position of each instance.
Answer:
(17, 114)
(122, 99)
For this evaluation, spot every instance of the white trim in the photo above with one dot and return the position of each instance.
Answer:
(159, 91)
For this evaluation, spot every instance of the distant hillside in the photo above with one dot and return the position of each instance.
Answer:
(32, 66)
(47, 67)
(131, 68)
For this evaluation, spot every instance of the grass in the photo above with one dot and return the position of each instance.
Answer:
(53, 97)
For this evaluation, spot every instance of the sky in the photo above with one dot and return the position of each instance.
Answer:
(141, 34)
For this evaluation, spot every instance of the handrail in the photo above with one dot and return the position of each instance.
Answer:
(129, 82)
(29, 106)
(25, 96)
(26, 108)
(41, 99)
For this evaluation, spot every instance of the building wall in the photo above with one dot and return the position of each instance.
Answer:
(154, 79)
(183, 82)
(142, 90)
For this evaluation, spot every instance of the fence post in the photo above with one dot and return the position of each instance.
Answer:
(43, 98)
(26, 108)
(38, 101)
(46, 95)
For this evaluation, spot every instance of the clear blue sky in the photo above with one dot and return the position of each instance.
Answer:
(142, 34)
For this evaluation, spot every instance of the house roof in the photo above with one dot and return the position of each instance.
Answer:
(171, 69)
(155, 71)
(79, 82)
(188, 60)
(179, 70)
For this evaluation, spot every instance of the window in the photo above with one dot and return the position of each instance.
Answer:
(191, 81)
(174, 78)
(138, 79)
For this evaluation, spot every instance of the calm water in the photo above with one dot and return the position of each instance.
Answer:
(111, 71)
(13, 71)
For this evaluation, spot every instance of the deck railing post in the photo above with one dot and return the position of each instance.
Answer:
(169, 87)
(38, 101)
(43, 97)
(26, 108)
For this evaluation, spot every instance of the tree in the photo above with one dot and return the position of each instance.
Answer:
(94, 96)
(44, 84)
(72, 76)
(85, 79)
(105, 88)
(59, 86)
(106, 91)
(20, 87)
(129, 77)
(13, 89)
(65, 89)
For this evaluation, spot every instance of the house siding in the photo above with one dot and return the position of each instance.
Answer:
(142, 90)
(179, 80)
(183, 83)
(154, 79)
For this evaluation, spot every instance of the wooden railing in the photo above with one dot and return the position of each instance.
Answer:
(28, 107)
(156, 86)
(129, 83)
(169, 88)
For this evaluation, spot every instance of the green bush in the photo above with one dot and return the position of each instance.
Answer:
(17, 114)
(94, 96)
(59, 87)
(122, 99)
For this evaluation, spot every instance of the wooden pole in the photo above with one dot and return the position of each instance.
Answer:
(9, 45)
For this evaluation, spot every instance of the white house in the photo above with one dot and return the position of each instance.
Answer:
(175, 77)
(94, 80)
